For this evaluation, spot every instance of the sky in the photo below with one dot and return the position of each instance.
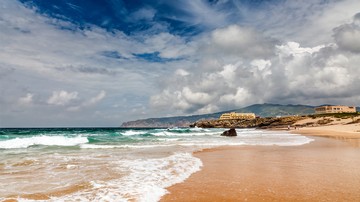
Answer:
(84, 63)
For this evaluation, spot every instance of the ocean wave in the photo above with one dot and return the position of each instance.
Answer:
(132, 132)
(155, 174)
(171, 133)
(186, 130)
(98, 146)
(42, 140)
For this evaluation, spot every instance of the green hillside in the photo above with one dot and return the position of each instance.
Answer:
(272, 110)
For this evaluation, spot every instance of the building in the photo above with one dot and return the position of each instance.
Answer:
(234, 115)
(334, 109)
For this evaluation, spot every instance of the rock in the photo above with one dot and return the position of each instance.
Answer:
(268, 122)
(192, 125)
(231, 132)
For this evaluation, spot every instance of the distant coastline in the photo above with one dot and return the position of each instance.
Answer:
(260, 110)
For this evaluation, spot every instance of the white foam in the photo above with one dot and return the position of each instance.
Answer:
(147, 179)
(169, 133)
(169, 139)
(199, 129)
(157, 174)
(132, 132)
(71, 166)
(42, 140)
(95, 146)
(213, 139)
(278, 138)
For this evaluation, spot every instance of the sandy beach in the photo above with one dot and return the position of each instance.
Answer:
(327, 169)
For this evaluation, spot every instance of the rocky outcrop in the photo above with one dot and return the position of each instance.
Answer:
(229, 133)
(269, 122)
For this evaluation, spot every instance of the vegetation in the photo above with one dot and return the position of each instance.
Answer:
(336, 115)
(268, 122)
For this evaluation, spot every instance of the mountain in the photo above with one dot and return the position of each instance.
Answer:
(262, 110)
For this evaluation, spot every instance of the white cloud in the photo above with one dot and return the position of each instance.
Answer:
(97, 98)
(62, 97)
(241, 41)
(293, 48)
(306, 22)
(182, 72)
(87, 103)
(347, 36)
(199, 13)
(293, 74)
(143, 14)
(26, 100)
(208, 109)
(228, 73)
(237, 99)
(168, 46)
(191, 97)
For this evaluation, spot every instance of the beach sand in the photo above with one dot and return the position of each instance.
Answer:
(324, 170)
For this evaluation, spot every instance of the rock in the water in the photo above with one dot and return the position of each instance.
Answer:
(231, 132)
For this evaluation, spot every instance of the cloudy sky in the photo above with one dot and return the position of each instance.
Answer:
(100, 63)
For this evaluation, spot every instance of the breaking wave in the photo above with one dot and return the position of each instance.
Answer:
(42, 140)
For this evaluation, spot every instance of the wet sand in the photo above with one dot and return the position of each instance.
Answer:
(349, 133)
(323, 170)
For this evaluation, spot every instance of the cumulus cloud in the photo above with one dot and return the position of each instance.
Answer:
(206, 91)
(62, 97)
(292, 74)
(196, 98)
(237, 99)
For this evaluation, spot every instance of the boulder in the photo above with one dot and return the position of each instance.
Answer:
(231, 132)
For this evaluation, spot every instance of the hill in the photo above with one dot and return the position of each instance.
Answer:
(262, 110)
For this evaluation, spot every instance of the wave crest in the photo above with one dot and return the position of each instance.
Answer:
(42, 140)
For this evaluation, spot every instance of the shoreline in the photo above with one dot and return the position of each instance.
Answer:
(324, 170)
(349, 133)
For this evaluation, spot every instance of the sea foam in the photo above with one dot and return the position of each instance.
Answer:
(42, 140)
(147, 179)
(132, 132)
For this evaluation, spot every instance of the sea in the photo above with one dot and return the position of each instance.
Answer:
(111, 164)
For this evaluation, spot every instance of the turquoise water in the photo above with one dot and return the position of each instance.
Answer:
(110, 164)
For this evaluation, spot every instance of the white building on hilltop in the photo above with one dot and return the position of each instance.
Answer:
(334, 109)
(234, 115)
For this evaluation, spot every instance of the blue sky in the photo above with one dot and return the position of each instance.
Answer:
(100, 63)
